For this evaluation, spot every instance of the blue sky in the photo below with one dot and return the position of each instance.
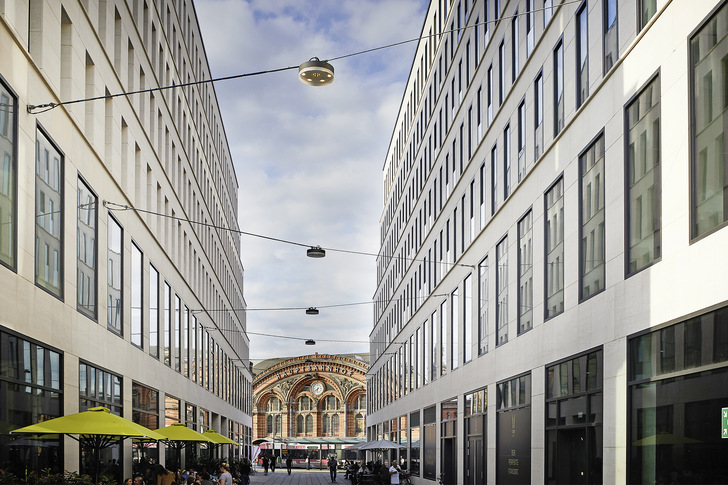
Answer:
(309, 160)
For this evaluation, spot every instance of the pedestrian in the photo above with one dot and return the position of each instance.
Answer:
(273, 463)
(332, 467)
(164, 476)
(224, 478)
(289, 463)
(308, 463)
(265, 464)
(245, 471)
(394, 473)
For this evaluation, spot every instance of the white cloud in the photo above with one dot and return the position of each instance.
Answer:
(309, 160)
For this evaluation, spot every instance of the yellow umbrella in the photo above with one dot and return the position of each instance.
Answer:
(179, 434)
(96, 428)
(219, 439)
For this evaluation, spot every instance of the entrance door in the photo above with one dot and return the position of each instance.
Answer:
(474, 466)
(449, 461)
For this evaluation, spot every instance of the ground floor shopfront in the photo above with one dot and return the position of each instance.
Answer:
(39, 382)
(651, 408)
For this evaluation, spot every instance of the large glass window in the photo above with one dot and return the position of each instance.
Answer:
(515, 46)
(559, 88)
(31, 390)
(645, 9)
(506, 161)
(538, 146)
(475, 429)
(114, 271)
(449, 462)
(554, 269)
(154, 320)
(522, 140)
(501, 283)
(513, 430)
(98, 387)
(454, 328)
(167, 302)
(574, 413)
(137, 295)
(591, 195)
(677, 401)
(177, 337)
(611, 45)
(501, 72)
(642, 119)
(467, 319)
(494, 179)
(145, 411)
(48, 215)
(582, 55)
(443, 330)
(8, 170)
(525, 273)
(483, 306)
(86, 251)
(414, 433)
(708, 103)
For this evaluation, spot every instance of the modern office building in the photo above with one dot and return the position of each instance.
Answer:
(552, 299)
(310, 406)
(120, 284)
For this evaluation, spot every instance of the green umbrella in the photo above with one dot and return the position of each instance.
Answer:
(96, 428)
(218, 439)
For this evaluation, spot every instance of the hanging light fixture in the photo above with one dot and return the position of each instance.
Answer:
(315, 252)
(315, 72)
(312, 311)
(310, 342)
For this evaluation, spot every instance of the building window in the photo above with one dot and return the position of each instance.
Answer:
(582, 55)
(591, 231)
(501, 72)
(86, 251)
(137, 296)
(645, 10)
(145, 406)
(154, 320)
(708, 101)
(177, 334)
(522, 140)
(530, 22)
(676, 383)
(31, 383)
(8, 171)
(467, 319)
(574, 411)
(48, 215)
(538, 146)
(429, 441)
(548, 12)
(611, 45)
(554, 269)
(494, 179)
(483, 306)
(558, 88)
(643, 227)
(506, 161)
(525, 273)
(167, 302)
(489, 103)
(475, 429)
(515, 46)
(114, 272)
(501, 283)
(97, 387)
(513, 429)
(443, 330)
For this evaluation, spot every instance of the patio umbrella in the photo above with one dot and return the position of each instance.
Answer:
(178, 434)
(380, 445)
(664, 438)
(218, 439)
(96, 428)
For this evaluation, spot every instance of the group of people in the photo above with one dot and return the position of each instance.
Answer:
(193, 477)
(385, 475)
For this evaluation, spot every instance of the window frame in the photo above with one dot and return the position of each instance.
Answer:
(14, 183)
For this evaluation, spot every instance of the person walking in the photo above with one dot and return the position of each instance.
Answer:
(394, 473)
(225, 478)
(265, 464)
(308, 463)
(289, 464)
(273, 464)
(332, 467)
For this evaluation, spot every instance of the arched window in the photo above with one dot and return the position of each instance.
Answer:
(331, 403)
(274, 405)
(300, 424)
(304, 404)
(335, 425)
(309, 424)
(361, 402)
(279, 424)
(359, 423)
(326, 425)
(269, 424)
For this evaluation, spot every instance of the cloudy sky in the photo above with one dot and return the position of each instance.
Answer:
(309, 160)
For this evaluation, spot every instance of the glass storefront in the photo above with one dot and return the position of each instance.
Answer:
(677, 397)
(30, 392)
(414, 463)
(574, 420)
(449, 462)
(476, 407)
(513, 431)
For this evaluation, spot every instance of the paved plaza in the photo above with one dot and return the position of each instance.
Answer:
(297, 477)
